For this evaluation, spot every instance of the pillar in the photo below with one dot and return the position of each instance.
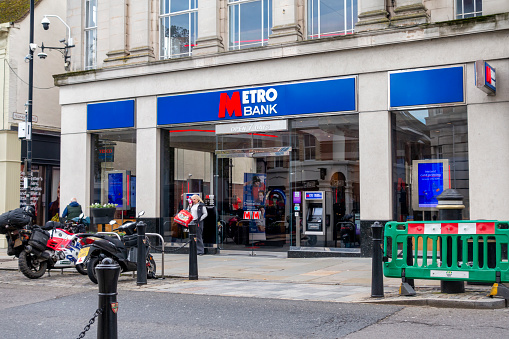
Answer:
(286, 27)
(409, 13)
(209, 39)
(372, 16)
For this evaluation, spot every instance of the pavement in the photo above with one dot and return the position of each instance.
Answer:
(273, 275)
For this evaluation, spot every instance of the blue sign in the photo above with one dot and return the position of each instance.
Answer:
(314, 195)
(334, 95)
(430, 183)
(115, 189)
(107, 115)
(426, 87)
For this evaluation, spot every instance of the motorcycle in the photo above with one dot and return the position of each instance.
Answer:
(38, 248)
(123, 251)
(66, 240)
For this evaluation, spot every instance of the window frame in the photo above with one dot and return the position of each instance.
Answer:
(193, 29)
(90, 55)
(230, 4)
(319, 35)
(460, 14)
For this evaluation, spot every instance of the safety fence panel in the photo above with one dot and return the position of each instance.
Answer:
(463, 250)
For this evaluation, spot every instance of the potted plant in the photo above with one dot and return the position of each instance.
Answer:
(103, 210)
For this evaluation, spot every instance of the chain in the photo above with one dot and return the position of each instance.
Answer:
(171, 250)
(90, 322)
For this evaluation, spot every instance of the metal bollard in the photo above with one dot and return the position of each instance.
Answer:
(107, 278)
(193, 253)
(377, 276)
(141, 261)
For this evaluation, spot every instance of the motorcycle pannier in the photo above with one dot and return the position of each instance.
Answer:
(130, 240)
(16, 218)
(39, 239)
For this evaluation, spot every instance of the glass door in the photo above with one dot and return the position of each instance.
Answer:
(252, 191)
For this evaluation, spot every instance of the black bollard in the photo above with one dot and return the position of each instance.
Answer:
(141, 261)
(107, 278)
(377, 276)
(450, 206)
(193, 253)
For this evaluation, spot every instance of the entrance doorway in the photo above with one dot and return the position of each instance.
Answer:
(252, 190)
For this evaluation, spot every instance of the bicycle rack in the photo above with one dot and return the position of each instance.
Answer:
(162, 255)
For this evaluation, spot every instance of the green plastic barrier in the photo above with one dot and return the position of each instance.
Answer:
(463, 250)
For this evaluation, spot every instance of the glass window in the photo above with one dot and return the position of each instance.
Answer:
(328, 18)
(178, 28)
(431, 154)
(90, 34)
(114, 171)
(468, 8)
(250, 23)
(309, 147)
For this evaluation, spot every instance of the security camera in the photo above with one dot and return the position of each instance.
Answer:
(42, 55)
(45, 23)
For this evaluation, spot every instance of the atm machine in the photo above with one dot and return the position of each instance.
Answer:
(314, 213)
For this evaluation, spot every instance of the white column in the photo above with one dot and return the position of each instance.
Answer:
(409, 13)
(375, 165)
(209, 39)
(75, 157)
(488, 161)
(147, 158)
(372, 15)
(286, 27)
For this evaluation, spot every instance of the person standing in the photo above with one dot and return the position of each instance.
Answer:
(199, 213)
(72, 210)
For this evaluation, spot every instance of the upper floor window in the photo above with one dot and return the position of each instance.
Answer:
(250, 23)
(90, 34)
(178, 27)
(468, 8)
(328, 18)
(309, 147)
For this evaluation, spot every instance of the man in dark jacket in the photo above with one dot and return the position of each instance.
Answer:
(72, 210)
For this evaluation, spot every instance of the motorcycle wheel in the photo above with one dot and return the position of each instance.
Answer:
(92, 263)
(151, 267)
(28, 266)
(81, 269)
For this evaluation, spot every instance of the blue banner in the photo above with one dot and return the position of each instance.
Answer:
(335, 95)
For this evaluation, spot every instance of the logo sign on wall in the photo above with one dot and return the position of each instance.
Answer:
(485, 77)
(332, 95)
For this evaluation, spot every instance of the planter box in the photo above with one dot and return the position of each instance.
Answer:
(103, 213)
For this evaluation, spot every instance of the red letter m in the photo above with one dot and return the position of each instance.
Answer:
(231, 105)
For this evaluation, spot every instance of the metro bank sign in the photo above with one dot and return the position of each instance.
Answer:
(331, 95)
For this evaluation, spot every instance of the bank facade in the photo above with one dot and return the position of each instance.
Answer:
(291, 130)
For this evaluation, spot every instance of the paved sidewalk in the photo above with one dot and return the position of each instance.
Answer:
(273, 275)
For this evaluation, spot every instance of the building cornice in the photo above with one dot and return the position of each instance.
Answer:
(362, 40)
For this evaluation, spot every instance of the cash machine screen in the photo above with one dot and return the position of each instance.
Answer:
(314, 222)
(317, 211)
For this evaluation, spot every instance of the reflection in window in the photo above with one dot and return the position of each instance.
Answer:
(309, 147)
(250, 23)
(328, 18)
(90, 34)
(468, 8)
(423, 138)
(114, 171)
(178, 27)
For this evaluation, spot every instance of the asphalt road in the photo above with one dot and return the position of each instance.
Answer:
(61, 305)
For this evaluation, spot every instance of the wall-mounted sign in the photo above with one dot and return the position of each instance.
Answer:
(485, 78)
(297, 197)
(22, 116)
(313, 196)
(106, 154)
(331, 95)
(114, 114)
(253, 127)
(426, 87)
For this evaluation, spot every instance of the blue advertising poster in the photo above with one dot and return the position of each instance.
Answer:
(431, 183)
(133, 191)
(115, 190)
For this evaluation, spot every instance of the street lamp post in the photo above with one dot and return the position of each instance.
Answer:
(68, 43)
